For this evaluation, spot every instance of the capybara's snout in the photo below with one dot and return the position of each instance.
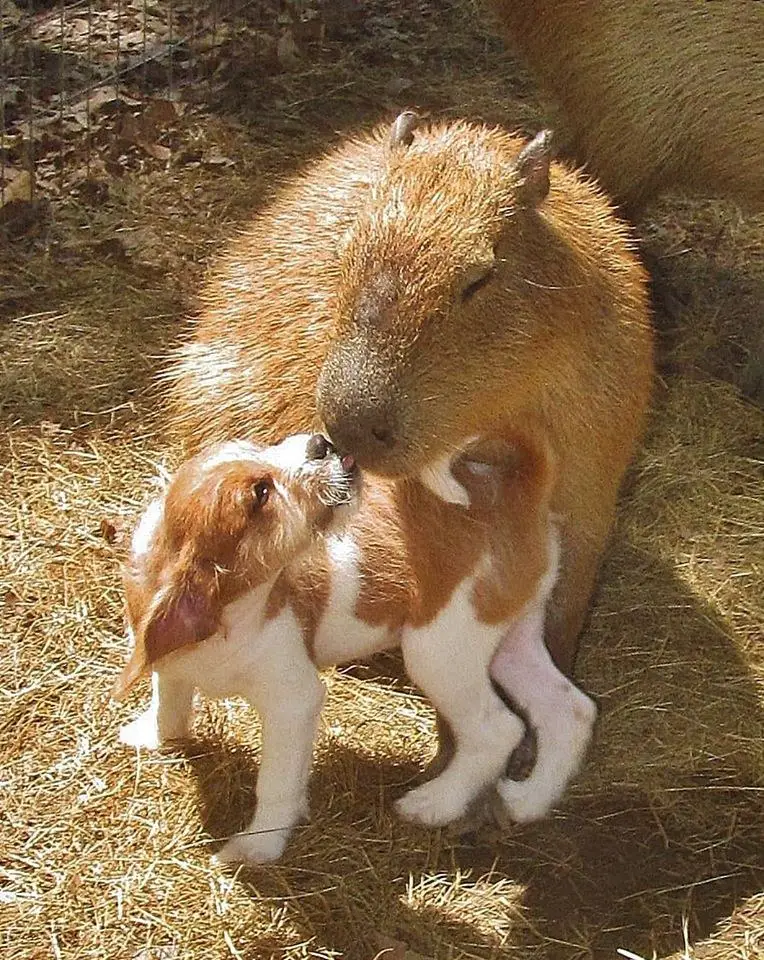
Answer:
(360, 408)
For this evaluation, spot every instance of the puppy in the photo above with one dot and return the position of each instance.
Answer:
(251, 574)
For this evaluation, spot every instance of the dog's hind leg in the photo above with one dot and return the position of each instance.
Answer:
(560, 715)
(449, 660)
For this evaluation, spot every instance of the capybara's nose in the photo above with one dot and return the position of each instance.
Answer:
(318, 447)
(359, 406)
(369, 436)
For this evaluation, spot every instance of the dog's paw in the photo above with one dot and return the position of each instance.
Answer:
(561, 750)
(253, 847)
(142, 733)
(431, 805)
(145, 732)
(524, 801)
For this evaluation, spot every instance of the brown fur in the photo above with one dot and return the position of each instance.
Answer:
(304, 586)
(439, 281)
(442, 543)
(414, 549)
(653, 95)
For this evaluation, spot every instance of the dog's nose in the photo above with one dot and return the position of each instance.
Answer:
(318, 447)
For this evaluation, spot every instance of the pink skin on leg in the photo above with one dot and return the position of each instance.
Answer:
(561, 715)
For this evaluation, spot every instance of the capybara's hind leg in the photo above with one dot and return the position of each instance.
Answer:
(570, 602)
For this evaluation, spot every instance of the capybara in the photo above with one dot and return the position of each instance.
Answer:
(416, 289)
(253, 572)
(653, 95)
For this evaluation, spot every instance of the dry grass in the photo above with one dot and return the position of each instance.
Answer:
(659, 848)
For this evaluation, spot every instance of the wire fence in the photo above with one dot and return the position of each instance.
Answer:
(86, 85)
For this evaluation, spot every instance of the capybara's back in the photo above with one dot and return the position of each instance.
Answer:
(652, 94)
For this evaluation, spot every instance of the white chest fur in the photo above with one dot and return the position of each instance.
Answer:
(341, 636)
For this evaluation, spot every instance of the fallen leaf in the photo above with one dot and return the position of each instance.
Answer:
(129, 128)
(111, 530)
(161, 113)
(156, 150)
(100, 96)
(17, 186)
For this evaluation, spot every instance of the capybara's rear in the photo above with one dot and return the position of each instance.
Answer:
(653, 95)
(417, 288)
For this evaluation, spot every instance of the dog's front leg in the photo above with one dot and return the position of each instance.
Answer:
(561, 716)
(289, 694)
(168, 717)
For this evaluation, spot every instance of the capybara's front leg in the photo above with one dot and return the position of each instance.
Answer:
(582, 542)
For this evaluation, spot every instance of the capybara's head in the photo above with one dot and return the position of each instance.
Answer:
(438, 277)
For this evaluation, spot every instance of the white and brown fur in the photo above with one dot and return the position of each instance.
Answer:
(422, 564)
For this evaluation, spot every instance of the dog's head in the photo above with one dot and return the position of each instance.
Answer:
(230, 520)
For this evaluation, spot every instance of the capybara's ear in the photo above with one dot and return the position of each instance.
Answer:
(183, 612)
(402, 130)
(532, 169)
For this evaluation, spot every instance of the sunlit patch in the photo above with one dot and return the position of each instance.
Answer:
(489, 907)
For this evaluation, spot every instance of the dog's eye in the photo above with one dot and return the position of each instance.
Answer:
(261, 491)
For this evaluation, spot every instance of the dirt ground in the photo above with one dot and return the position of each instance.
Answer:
(658, 850)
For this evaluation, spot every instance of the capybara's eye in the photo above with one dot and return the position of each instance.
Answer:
(472, 288)
(261, 491)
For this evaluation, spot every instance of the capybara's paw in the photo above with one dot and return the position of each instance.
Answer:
(253, 847)
(431, 805)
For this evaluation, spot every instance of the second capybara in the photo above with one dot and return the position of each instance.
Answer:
(417, 288)
(652, 95)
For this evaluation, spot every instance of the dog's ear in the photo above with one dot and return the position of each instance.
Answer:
(184, 611)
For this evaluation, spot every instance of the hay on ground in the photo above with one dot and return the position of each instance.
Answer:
(658, 850)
